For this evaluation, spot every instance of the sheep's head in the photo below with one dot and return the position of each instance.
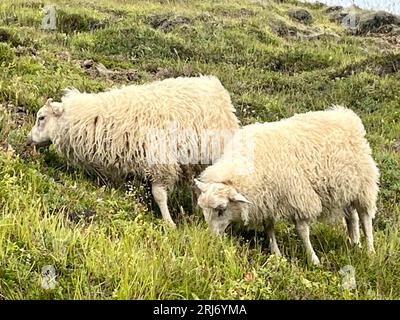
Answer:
(46, 123)
(222, 205)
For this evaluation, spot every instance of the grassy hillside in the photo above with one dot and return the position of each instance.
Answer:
(110, 243)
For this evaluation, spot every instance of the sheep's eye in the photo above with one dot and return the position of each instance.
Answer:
(41, 118)
(220, 212)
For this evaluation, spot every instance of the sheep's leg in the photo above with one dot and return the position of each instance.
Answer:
(195, 197)
(161, 197)
(303, 230)
(269, 229)
(353, 228)
(366, 223)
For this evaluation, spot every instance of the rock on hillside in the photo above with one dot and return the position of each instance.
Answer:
(300, 14)
(378, 22)
(363, 22)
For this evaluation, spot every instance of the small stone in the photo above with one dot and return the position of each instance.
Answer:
(331, 9)
(396, 146)
(94, 70)
(300, 14)
(282, 29)
(4, 36)
(338, 16)
(167, 22)
(88, 63)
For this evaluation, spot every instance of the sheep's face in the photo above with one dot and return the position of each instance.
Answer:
(46, 123)
(222, 205)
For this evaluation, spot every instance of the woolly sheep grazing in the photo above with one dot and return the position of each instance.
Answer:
(151, 130)
(316, 164)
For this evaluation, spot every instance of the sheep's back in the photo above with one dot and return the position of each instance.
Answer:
(111, 130)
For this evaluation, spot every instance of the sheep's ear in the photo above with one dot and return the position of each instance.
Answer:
(57, 108)
(201, 185)
(238, 197)
(48, 103)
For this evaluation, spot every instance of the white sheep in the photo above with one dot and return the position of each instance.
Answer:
(316, 164)
(161, 131)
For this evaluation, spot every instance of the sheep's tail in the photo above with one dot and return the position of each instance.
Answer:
(349, 117)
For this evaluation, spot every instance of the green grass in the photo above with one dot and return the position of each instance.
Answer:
(110, 243)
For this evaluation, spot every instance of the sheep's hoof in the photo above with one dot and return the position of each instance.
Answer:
(171, 224)
(276, 252)
(315, 261)
(354, 242)
(358, 245)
